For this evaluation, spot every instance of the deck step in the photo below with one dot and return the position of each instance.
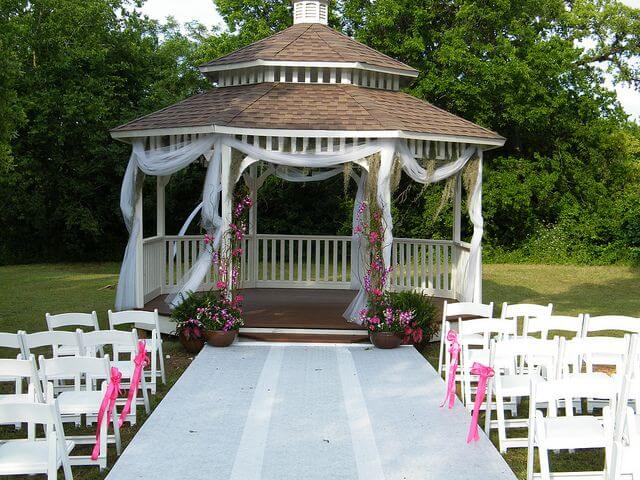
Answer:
(311, 335)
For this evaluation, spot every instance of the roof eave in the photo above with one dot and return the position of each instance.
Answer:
(487, 142)
(207, 68)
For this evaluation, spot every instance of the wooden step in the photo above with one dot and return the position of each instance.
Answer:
(305, 335)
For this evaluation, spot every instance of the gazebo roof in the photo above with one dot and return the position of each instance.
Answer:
(310, 42)
(307, 107)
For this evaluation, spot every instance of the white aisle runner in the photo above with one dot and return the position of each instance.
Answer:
(279, 412)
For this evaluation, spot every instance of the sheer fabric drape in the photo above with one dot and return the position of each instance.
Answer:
(165, 161)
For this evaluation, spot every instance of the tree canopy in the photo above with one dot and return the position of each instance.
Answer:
(564, 188)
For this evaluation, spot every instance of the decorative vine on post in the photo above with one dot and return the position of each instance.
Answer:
(379, 314)
(226, 313)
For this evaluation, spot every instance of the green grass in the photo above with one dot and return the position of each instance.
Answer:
(29, 291)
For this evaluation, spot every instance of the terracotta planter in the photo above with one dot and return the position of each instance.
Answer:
(385, 339)
(192, 345)
(217, 338)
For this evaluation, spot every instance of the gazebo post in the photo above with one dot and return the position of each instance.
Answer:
(226, 197)
(139, 297)
(253, 225)
(161, 183)
(477, 294)
(457, 224)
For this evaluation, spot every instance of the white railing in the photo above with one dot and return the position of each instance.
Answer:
(436, 267)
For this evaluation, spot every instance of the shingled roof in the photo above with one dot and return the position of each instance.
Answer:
(311, 42)
(293, 106)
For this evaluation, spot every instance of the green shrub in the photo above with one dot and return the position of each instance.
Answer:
(188, 309)
(423, 308)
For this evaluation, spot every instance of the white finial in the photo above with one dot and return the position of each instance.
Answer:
(311, 11)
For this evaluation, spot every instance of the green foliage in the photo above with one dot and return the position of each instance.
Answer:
(563, 189)
(423, 308)
(188, 309)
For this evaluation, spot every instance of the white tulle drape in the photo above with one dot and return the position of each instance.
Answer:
(157, 162)
(165, 161)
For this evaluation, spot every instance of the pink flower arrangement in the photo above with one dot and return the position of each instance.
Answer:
(379, 316)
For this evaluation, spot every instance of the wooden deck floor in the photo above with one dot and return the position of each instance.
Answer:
(285, 309)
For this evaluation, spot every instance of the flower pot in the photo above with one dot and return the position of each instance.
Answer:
(191, 345)
(218, 338)
(385, 339)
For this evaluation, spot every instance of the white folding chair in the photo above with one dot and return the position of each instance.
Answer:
(34, 455)
(11, 341)
(581, 354)
(556, 324)
(55, 340)
(84, 321)
(525, 312)
(474, 337)
(121, 344)
(147, 321)
(568, 432)
(511, 381)
(12, 369)
(84, 399)
(454, 313)
(624, 458)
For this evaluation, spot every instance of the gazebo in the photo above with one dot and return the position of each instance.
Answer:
(301, 105)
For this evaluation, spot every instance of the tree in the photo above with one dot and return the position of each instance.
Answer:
(86, 67)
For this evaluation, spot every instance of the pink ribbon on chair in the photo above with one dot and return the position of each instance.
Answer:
(107, 406)
(454, 352)
(484, 373)
(141, 360)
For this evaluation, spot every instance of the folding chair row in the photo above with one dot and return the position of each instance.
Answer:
(64, 342)
(122, 344)
(553, 360)
(617, 432)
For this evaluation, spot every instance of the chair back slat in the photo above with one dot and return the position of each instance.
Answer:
(466, 310)
(604, 323)
(9, 340)
(139, 317)
(556, 323)
(72, 320)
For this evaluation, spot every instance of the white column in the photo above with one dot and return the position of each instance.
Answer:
(161, 183)
(227, 198)
(253, 226)
(139, 253)
(457, 217)
(477, 294)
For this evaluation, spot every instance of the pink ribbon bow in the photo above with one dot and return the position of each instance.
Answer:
(107, 406)
(141, 360)
(454, 352)
(484, 373)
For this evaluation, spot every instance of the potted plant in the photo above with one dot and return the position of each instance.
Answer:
(387, 328)
(221, 318)
(191, 335)
(189, 329)
(424, 324)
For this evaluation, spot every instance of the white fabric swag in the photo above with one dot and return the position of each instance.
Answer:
(167, 160)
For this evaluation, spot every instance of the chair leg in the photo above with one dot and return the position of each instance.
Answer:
(162, 370)
(442, 349)
(145, 394)
(502, 429)
(116, 431)
(543, 453)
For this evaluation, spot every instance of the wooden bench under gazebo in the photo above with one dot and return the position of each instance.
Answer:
(301, 105)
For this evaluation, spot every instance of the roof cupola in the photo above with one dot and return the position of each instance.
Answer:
(311, 11)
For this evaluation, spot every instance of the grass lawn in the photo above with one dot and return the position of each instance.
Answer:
(30, 291)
